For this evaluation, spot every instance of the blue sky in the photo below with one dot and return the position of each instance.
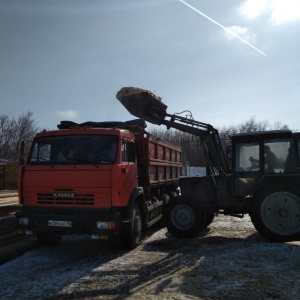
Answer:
(66, 59)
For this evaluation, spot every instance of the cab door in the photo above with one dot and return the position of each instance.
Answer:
(247, 168)
(128, 176)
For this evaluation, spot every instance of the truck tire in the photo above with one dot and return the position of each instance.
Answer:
(276, 213)
(131, 232)
(184, 218)
(48, 238)
(209, 219)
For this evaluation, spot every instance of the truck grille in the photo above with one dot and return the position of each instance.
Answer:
(77, 199)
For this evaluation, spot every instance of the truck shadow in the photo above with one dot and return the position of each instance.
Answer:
(190, 258)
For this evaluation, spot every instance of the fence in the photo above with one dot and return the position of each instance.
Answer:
(9, 176)
(193, 171)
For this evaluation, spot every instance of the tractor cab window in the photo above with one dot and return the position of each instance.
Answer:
(270, 156)
(279, 156)
(247, 157)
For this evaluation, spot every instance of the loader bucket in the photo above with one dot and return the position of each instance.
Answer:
(143, 104)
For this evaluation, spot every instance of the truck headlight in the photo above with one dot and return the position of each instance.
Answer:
(23, 221)
(101, 225)
(106, 225)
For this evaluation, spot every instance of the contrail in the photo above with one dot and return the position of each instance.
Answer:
(220, 25)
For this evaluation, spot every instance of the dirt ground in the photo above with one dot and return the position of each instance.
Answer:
(229, 261)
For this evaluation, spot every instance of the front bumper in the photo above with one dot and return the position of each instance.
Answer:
(64, 221)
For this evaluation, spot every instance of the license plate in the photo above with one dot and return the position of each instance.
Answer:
(59, 223)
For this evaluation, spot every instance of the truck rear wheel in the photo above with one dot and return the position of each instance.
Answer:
(48, 238)
(276, 213)
(131, 232)
(185, 218)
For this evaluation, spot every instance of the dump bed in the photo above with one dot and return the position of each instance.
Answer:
(159, 162)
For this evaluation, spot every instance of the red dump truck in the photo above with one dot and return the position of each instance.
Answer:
(99, 178)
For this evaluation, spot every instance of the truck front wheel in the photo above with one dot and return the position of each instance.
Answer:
(131, 231)
(184, 218)
(209, 219)
(276, 213)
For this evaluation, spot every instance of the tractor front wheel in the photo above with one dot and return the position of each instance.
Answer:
(185, 218)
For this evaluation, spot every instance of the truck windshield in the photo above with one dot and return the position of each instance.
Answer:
(74, 149)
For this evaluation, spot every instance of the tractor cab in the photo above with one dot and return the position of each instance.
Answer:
(260, 156)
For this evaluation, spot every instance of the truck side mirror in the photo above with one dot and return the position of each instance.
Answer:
(21, 153)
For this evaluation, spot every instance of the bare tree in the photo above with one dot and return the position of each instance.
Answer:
(251, 125)
(6, 135)
(13, 131)
(191, 151)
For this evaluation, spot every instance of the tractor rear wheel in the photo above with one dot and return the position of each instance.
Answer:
(276, 213)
